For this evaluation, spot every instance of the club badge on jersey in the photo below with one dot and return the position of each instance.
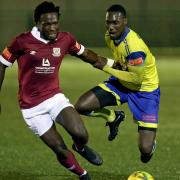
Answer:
(56, 52)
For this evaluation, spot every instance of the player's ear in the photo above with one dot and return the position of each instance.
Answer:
(125, 21)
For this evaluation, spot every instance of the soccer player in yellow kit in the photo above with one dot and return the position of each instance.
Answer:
(135, 82)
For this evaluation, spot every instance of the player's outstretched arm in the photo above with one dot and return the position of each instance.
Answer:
(110, 66)
(97, 61)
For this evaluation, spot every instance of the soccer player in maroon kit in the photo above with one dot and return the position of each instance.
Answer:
(39, 54)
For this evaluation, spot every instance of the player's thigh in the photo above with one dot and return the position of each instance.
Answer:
(43, 126)
(72, 122)
(87, 102)
(145, 107)
(58, 103)
(111, 92)
(105, 96)
(53, 139)
(39, 124)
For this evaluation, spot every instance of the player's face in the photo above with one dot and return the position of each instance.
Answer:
(115, 23)
(48, 25)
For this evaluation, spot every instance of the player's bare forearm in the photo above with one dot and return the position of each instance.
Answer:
(2, 73)
(93, 58)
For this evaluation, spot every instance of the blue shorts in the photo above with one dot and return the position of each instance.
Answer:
(143, 105)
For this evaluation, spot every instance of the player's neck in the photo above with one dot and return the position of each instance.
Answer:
(122, 36)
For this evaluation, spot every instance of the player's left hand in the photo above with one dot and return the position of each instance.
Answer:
(117, 65)
(120, 66)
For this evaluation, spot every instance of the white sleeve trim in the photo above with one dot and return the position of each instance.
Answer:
(81, 50)
(110, 62)
(5, 62)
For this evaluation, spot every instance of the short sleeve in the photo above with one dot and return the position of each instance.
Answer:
(75, 47)
(11, 53)
(136, 58)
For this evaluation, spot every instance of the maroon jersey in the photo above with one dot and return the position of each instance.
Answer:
(38, 64)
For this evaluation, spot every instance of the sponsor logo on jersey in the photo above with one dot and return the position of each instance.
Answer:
(56, 52)
(46, 67)
(45, 62)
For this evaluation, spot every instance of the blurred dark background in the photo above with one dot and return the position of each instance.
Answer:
(157, 21)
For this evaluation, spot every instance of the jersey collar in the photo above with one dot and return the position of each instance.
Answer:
(118, 41)
(36, 33)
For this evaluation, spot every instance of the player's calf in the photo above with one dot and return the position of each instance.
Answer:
(146, 157)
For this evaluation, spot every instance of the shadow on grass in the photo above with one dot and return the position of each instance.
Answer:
(107, 176)
(26, 176)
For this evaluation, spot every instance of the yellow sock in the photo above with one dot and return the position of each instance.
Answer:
(108, 115)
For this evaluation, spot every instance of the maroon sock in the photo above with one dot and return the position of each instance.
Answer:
(71, 164)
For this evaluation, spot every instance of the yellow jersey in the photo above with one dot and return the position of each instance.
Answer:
(131, 51)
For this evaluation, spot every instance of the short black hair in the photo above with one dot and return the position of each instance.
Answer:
(117, 8)
(45, 7)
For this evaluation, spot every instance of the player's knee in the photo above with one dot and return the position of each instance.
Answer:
(83, 111)
(60, 150)
(79, 107)
(146, 147)
(81, 136)
(82, 108)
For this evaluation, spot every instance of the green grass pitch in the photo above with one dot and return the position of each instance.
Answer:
(24, 157)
